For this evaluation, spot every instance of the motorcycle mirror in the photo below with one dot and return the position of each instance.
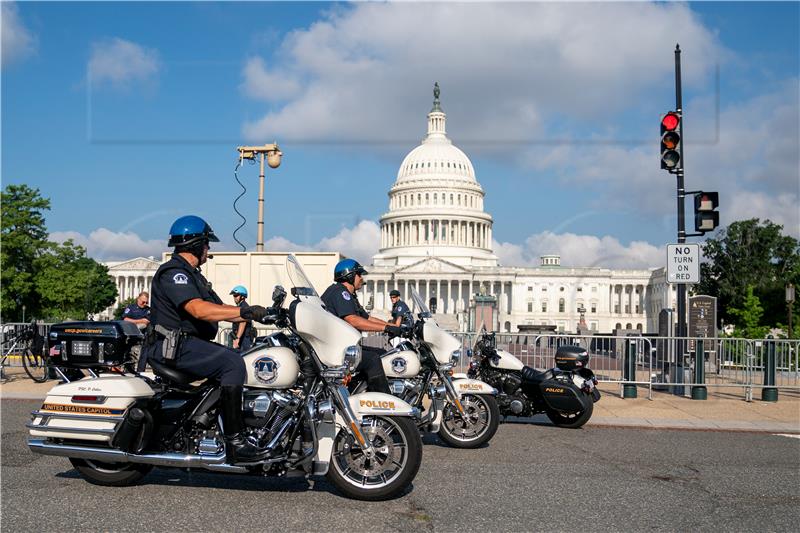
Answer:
(278, 295)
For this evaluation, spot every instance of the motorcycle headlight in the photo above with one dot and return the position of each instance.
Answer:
(455, 357)
(352, 357)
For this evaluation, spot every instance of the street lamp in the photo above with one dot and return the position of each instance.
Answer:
(272, 154)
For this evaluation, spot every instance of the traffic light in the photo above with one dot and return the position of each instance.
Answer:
(670, 141)
(706, 218)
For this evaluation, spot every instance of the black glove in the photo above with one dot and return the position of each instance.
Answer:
(393, 331)
(253, 312)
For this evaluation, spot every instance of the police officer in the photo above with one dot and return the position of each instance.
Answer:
(183, 302)
(340, 299)
(138, 312)
(243, 332)
(401, 314)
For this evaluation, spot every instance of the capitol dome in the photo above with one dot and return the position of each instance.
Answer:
(436, 205)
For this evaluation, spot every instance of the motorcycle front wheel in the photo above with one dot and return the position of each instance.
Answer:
(571, 420)
(477, 427)
(398, 448)
(110, 474)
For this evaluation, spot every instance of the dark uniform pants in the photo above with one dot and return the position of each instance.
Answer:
(372, 368)
(246, 343)
(202, 358)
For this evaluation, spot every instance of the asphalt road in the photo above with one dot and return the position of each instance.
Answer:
(530, 478)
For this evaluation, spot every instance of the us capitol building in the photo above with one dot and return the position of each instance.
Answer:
(437, 238)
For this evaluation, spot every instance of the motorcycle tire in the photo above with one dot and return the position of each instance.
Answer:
(110, 474)
(571, 420)
(348, 467)
(473, 441)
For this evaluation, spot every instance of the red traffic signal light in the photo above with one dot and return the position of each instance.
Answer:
(670, 141)
(706, 218)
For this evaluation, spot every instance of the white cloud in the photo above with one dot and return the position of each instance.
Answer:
(360, 242)
(581, 251)
(753, 160)
(105, 245)
(503, 67)
(18, 42)
(261, 84)
(120, 62)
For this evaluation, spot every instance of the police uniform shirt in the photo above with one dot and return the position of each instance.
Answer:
(175, 283)
(400, 309)
(339, 301)
(135, 312)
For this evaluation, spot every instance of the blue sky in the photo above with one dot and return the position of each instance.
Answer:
(127, 115)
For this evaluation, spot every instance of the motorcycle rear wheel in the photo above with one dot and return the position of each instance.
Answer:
(110, 474)
(484, 416)
(399, 455)
(571, 420)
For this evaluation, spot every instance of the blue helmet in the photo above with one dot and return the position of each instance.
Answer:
(190, 230)
(241, 290)
(346, 270)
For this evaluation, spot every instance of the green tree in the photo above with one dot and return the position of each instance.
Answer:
(24, 237)
(750, 253)
(748, 317)
(70, 284)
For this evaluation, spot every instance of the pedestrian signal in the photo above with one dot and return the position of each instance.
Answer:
(706, 217)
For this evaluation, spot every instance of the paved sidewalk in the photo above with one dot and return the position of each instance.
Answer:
(723, 411)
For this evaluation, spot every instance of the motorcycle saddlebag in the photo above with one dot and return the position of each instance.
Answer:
(89, 409)
(93, 344)
(569, 357)
(562, 396)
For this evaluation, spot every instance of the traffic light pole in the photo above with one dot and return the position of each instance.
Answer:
(681, 330)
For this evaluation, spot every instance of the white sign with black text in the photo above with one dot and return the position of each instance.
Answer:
(683, 263)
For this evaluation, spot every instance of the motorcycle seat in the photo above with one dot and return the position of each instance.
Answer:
(531, 375)
(172, 375)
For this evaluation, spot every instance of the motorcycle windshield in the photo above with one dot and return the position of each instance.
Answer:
(419, 304)
(301, 285)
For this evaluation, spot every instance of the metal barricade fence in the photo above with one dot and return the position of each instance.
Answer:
(8, 331)
(666, 364)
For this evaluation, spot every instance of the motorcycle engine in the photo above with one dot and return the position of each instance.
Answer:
(405, 389)
(257, 407)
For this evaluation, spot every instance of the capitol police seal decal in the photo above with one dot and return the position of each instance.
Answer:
(266, 370)
(399, 365)
(180, 279)
(346, 295)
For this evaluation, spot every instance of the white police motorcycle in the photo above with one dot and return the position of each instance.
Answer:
(463, 411)
(115, 427)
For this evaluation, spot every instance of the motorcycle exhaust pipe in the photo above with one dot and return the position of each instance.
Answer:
(214, 462)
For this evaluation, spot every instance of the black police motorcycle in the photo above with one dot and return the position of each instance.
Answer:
(565, 393)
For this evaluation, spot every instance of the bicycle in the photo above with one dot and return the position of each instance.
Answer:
(34, 361)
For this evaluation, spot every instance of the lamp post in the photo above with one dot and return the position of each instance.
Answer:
(272, 154)
(790, 304)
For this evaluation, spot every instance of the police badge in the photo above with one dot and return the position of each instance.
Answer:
(399, 365)
(266, 370)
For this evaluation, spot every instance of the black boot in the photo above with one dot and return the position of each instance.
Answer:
(236, 445)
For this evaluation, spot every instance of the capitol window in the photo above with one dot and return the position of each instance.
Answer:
(544, 307)
(544, 289)
(561, 305)
(530, 307)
